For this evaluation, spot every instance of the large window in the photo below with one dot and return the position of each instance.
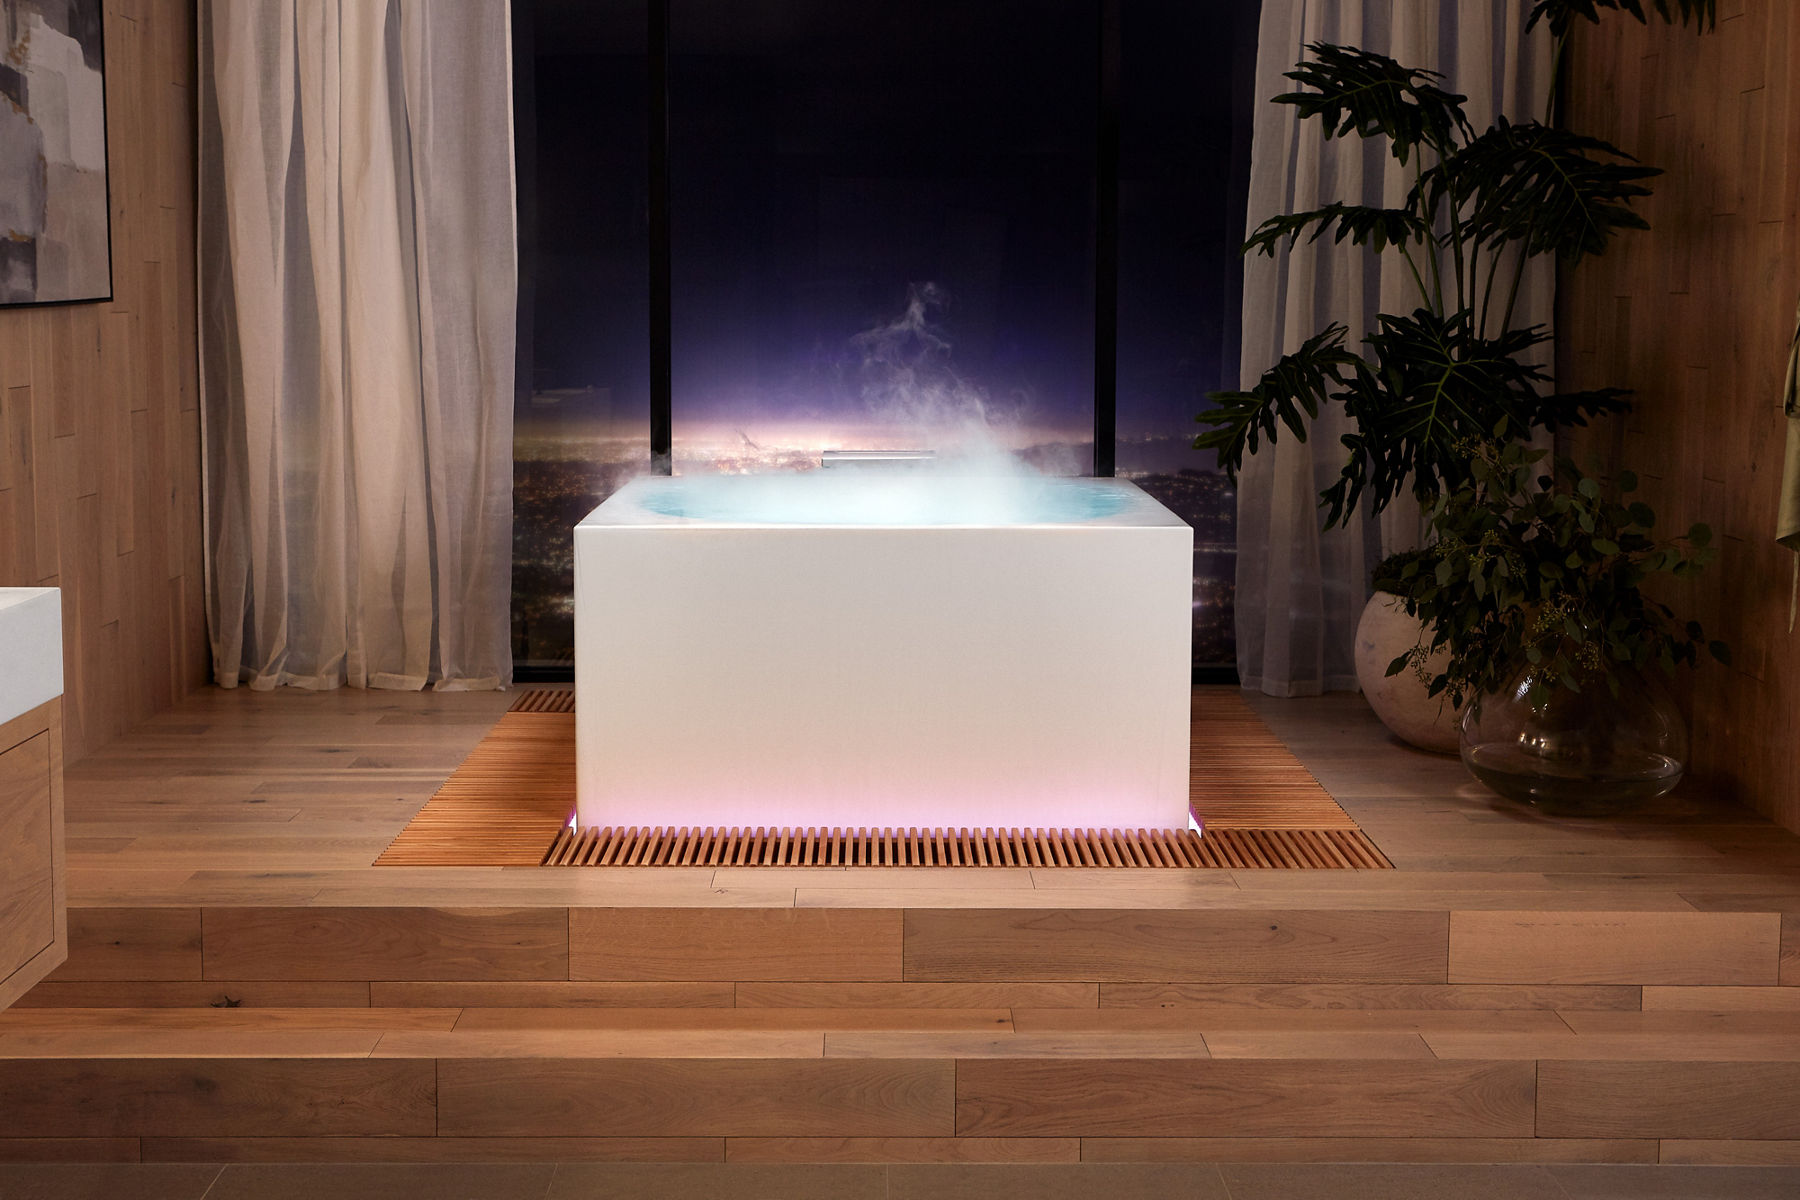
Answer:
(1185, 97)
(876, 217)
(880, 213)
(581, 407)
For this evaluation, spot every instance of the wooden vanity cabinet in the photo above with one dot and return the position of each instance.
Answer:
(34, 930)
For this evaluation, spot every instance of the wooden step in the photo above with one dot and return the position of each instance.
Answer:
(779, 1085)
(343, 948)
(1292, 1079)
(1537, 1034)
(921, 1034)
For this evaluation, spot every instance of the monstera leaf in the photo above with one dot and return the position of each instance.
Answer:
(1428, 390)
(1360, 225)
(1562, 13)
(1553, 191)
(1442, 406)
(1291, 392)
(1356, 91)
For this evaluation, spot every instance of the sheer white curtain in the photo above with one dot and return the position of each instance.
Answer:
(1300, 591)
(357, 280)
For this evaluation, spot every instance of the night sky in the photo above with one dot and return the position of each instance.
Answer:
(827, 157)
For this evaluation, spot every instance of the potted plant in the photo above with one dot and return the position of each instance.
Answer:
(1427, 389)
(1531, 590)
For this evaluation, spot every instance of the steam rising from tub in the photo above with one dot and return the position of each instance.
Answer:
(910, 382)
(910, 388)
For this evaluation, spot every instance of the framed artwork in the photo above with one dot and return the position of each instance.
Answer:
(55, 214)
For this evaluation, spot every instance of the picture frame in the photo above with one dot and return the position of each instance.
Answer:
(55, 185)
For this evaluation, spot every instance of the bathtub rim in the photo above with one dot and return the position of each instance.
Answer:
(623, 509)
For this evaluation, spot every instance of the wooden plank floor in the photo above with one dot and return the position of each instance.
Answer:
(1517, 989)
(287, 798)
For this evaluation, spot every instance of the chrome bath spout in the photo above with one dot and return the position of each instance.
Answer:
(872, 458)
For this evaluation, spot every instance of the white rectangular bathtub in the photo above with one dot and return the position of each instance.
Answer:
(840, 650)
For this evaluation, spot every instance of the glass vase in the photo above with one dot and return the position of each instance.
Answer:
(1586, 753)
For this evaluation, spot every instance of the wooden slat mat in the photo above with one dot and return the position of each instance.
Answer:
(544, 700)
(510, 803)
(1239, 848)
(1242, 777)
(504, 805)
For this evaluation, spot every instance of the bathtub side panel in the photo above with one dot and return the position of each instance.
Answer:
(1034, 676)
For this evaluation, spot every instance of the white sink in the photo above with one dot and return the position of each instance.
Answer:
(30, 649)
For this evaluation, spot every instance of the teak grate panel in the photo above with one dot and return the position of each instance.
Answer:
(1169, 848)
(544, 700)
(1243, 777)
(512, 800)
(505, 803)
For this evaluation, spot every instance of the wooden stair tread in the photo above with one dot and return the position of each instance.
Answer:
(932, 1030)
(1324, 1034)
(268, 1020)
(820, 1019)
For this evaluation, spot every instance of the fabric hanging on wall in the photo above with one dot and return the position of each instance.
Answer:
(358, 271)
(1787, 523)
(1301, 591)
(1787, 520)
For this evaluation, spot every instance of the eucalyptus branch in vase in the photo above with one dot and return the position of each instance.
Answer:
(1544, 583)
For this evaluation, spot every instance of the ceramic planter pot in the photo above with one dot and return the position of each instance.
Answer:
(1383, 634)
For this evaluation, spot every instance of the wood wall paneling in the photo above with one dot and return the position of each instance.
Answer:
(1695, 317)
(99, 417)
